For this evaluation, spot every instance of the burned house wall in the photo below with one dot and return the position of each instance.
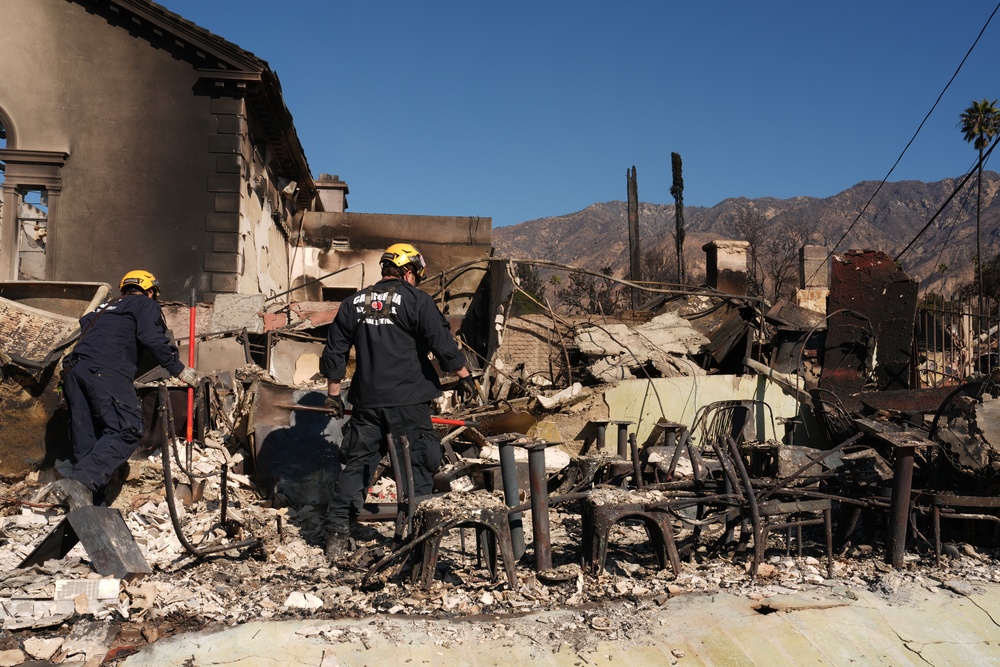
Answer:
(678, 399)
(332, 241)
(135, 135)
(146, 151)
(532, 341)
(872, 310)
(726, 265)
(264, 246)
(814, 278)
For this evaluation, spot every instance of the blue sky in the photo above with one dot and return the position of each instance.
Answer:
(522, 110)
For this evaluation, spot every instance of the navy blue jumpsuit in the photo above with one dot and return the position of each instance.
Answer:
(392, 326)
(105, 415)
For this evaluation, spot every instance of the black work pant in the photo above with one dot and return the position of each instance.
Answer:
(105, 422)
(364, 445)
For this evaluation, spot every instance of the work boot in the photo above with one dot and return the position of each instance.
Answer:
(67, 491)
(107, 494)
(338, 545)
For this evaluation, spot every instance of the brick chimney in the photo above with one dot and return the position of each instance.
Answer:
(726, 265)
(332, 193)
(814, 278)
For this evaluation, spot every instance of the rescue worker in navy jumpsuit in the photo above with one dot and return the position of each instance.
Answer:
(392, 326)
(105, 416)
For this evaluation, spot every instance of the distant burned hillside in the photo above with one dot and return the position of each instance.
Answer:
(598, 235)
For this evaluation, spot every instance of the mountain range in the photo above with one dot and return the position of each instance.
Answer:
(942, 258)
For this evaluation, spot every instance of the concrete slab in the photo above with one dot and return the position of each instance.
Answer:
(928, 626)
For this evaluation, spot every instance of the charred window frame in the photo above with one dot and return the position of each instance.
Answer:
(31, 185)
(32, 182)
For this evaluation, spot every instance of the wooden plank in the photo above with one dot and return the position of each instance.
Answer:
(106, 538)
(108, 542)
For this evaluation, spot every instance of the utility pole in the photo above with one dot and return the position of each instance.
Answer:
(635, 257)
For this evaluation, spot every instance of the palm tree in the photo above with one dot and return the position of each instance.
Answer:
(980, 123)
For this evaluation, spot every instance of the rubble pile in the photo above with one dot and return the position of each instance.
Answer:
(65, 611)
(704, 447)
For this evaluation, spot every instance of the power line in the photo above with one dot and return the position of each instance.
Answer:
(910, 142)
(947, 239)
(946, 202)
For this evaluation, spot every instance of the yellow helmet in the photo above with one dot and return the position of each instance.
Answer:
(401, 254)
(144, 280)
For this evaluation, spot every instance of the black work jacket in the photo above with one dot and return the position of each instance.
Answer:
(114, 335)
(392, 326)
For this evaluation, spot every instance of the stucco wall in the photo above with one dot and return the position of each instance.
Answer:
(167, 168)
(335, 240)
(134, 185)
(264, 250)
(677, 399)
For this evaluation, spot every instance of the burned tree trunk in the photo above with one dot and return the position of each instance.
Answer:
(677, 190)
(634, 257)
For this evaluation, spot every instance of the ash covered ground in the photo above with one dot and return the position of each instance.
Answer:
(289, 577)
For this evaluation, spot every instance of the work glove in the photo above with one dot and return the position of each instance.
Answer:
(190, 376)
(335, 404)
(466, 389)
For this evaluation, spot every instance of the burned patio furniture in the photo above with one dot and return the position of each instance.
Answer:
(904, 443)
(715, 476)
(481, 510)
(596, 464)
(582, 473)
(965, 426)
(778, 506)
(601, 425)
(739, 419)
(657, 453)
(603, 508)
(973, 508)
(776, 514)
(834, 419)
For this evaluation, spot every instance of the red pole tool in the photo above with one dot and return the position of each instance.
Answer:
(190, 412)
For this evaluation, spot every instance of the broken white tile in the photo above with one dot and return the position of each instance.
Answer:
(42, 649)
(95, 589)
(29, 520)
(11, 658)
(299, 600)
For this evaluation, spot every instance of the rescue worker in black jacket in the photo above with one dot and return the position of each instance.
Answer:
(392, 326)
(105, 416)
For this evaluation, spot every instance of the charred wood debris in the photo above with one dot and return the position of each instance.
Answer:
(555, 491)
